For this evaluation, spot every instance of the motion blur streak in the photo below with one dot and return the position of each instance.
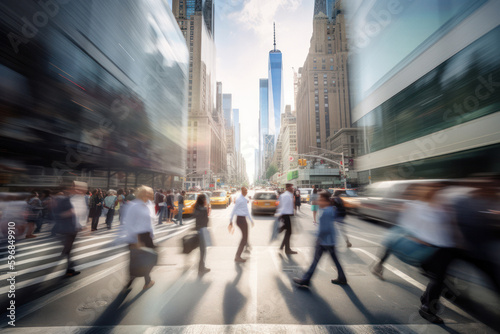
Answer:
(96, 90)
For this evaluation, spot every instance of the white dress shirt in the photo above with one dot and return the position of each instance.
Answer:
(241, 208)
(138, 219)
(286, 206)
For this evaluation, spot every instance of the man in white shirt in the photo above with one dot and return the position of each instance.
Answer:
(285, 211)
(241, 211)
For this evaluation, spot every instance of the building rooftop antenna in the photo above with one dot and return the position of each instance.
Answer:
(274, 29)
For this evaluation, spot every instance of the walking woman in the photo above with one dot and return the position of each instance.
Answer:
(139, 230)
(95, 208)
(314, 204)
(324, 242)
(201, 215)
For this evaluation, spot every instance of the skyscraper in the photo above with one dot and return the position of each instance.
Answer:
(263, 121)
(236, 119)
(275, 91)
(326, 7)
(206, 138)
(227, 107)
(323, 92)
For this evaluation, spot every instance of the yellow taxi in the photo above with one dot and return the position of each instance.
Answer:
(219, 198)
(349, 198)
(189, 202)
(265, 202)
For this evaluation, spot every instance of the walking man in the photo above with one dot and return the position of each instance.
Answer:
(241, 211)
(324, 242)
(285, 212)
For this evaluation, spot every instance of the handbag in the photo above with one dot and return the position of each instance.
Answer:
(276, 228)
(142, 260)
(176, 211)
(400, 243)
(190, 242)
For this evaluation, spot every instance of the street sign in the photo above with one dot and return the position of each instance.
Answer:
(212, 185)
(290, 158)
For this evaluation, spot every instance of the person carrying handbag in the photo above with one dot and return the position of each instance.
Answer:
(138, 222)
(201, 214)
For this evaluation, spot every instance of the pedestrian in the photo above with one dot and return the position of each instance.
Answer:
(138, 223)
(120, 206)
(95, 208)
(67, 223)
(325, 242)
(341, 212)
(170, 206)
(109, 204)
(201, 214)
(475, 215)
(296, 197)
(314, 204)
(240, 209)
(34, 214)
(158, 200)
(131, 195)
(162, 213)
(180, 206)
(421, 220)
(46, 209)
(285, 211)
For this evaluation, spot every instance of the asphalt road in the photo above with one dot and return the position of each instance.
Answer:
(255, 297)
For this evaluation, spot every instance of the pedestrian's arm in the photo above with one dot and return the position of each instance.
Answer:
(233, 212)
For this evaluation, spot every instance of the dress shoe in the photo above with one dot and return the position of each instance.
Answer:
(240, 260)
(301, 282)
(339, 282)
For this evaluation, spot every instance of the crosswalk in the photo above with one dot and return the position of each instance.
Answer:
(39, 260)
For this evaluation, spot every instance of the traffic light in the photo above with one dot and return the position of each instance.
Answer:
(218, 180)
(302, 162)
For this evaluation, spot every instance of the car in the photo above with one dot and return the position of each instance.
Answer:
(189, 202)
(349, 198)
(305, 195)
(219, 198)
(265, 202)
(382, 201)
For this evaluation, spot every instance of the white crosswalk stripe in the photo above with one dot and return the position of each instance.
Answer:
(39, 260)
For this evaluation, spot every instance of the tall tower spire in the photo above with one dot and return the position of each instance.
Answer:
(274, 29)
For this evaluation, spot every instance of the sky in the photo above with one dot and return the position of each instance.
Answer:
(244, 37)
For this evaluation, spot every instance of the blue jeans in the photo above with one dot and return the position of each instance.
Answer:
(162, 213)
(317, 256)
(179, 215)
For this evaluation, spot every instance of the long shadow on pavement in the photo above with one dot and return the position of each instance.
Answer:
(234, 300)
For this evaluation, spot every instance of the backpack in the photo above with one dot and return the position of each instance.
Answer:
(339, 204)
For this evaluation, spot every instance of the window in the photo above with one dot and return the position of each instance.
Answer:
(331, 68)
(352, 139)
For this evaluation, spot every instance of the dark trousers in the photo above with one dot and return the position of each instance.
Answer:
(317, 256)
(203, 252)
(242, 224)
(436, 267)
(109, 217)
(68, 240)
(95, 217)
(287, 226)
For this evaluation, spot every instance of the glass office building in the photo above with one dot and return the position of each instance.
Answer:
(425, 79)
(105, 82)
(263, 117)
(276, 92)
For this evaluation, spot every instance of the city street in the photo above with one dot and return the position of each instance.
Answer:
(258, 296)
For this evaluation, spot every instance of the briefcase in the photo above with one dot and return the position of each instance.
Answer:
(190, 242)
(142, 260)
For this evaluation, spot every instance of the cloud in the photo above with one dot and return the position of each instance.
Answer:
(256, 14)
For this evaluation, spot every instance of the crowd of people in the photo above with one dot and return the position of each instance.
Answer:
(439, 222)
